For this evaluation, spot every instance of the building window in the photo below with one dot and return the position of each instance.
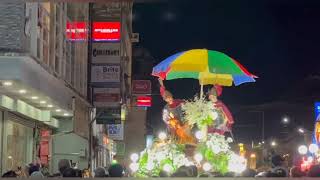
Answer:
(18, 145)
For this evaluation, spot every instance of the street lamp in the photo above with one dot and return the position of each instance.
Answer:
(302, 149)
(300, 130)
(313, 148)
(273, 143)
(285, 120)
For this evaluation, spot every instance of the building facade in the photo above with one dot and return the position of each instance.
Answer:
(44, 111)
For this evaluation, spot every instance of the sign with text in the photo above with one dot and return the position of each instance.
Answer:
(144, 101)
(105, 53)
(115, 131)
(141, 87)
(76, 31)
(106, 31)
(105, 73)
(106, 97)
(108, 115)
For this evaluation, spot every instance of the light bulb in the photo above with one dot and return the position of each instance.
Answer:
(198, 157)
(134, 157)
(162, 136)
(206, 167)
(134, 167)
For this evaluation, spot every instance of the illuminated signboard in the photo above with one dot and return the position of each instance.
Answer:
(106, 31)
(76, 31)
(144, 101)
(316, 137)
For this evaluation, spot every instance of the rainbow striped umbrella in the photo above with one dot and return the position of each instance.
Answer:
(209, 67)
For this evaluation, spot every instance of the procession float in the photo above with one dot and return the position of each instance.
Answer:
(196, 128)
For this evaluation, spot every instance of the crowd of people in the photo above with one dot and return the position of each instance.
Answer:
(35, 170)
(278, 169)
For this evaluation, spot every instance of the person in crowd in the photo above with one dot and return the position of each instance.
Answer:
(36, 174)
(79, 173)
(278, 168)
(9, 174)
(69, 172)
(115, 170)
(185, 171)
(33, 168)
(100, 172)
(248, 173)
(63, 164)
(296, 172)
(314, 171)
(163, 174)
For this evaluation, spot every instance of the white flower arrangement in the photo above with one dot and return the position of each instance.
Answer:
(199, 111)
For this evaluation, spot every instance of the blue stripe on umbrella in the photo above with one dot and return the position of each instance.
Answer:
(164, 65)
(240, 79)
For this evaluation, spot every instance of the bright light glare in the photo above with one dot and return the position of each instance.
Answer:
(7, 83)
(273, 143)
(58, 110)
(199, 135)
(167, 168)
(206, 167)
(198, 157)
(66, 114)
(237, 163)
(162, 136)
(313, 148)
(43, 102)
(134, 167)
(301, 130)
(285, 120)
(22, 91)
(303, 149)
(229, 140)
(50, 106)
(134, 157)
(34, 97)
(150, 166)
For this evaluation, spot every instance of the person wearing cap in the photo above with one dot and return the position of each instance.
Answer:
(224, 120)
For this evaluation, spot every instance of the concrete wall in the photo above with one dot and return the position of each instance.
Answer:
(12, 26)
(135, 131)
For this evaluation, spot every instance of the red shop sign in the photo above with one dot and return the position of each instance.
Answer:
(106, 31)
(141, 87)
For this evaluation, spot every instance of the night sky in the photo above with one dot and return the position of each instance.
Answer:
(278, 40)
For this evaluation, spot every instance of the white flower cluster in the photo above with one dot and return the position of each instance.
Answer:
(217, 143)
(237, 163)
(197, 110)
(165, 151)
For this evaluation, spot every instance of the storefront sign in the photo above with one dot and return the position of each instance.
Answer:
(120, 148)
(105, 53)
(106, 31)
(76, 31)
(115, 131)
(106, 97)
(108, 115)
(141, 87)
(105, 74)
(144, 101)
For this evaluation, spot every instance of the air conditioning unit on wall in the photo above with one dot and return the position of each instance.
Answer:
(135, 37)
